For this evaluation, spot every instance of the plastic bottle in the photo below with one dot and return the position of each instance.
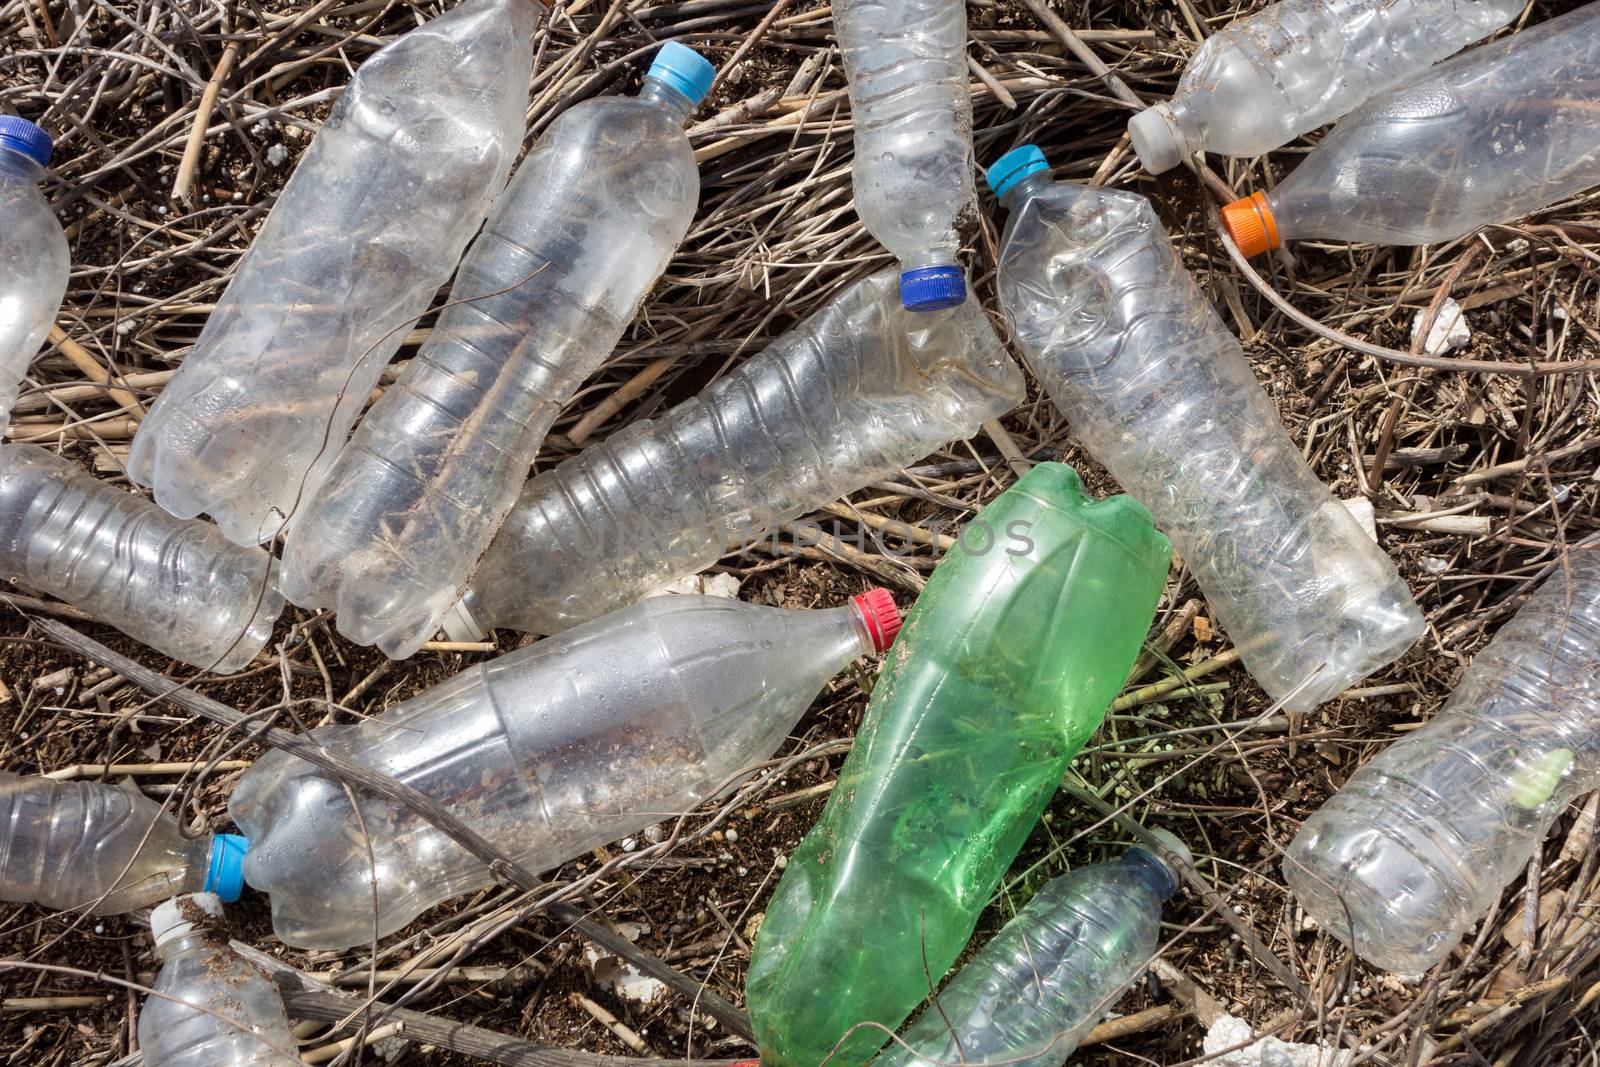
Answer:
(549, 752)
(104, 848)
(1005, 667)
(853, 394)
(586, 227)
(34, 260)
(176, 585)
(1491, 135)
(1299, 64)
(1424, 837)
(370, 225)
(1043, 982)
(1158, 390)
(906, 61)
(210, 1006)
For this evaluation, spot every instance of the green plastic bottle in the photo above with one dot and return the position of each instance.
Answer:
(1004, 669)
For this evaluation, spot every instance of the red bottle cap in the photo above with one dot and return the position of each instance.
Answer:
(881, 616)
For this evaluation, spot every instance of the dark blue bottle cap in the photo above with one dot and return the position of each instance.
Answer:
(1014, 166)
(686, 70)
(226, 876)
(20, 135)
(933, 288)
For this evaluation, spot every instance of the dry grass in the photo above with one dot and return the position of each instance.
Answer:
(1510, 462)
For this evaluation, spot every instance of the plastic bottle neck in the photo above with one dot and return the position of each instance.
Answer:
(1025, 189)
(663, 95)
(1162, 878)
(192, 941)
(14, 166)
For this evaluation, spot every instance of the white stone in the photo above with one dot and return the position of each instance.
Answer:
(1450, 329)
(1229, 1031)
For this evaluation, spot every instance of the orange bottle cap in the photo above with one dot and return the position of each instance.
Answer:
(1251, 225)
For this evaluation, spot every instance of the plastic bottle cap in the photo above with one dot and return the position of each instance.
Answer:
(686, 70)
(459, 624)
(226, 876)
(933, 288)
(1251, 225)
(181, 916)
(1014, 166)
(881, 616)
(20, 135)
(1156, 140)
(1180, 851)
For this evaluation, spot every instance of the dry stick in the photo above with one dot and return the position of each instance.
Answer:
(500, 865)
(92, 369)
(1391, 355)
(181, 186)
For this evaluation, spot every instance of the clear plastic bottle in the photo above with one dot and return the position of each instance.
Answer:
(176, 585)
(851, 395)
(1423, 838)
(586, 227)
(34, 259)
(1006, 667)
(112, 850)
(906, 61)
(1043, 982)
(1299, 64)
(1158, 389)
(210, 1007)
(368, 228)
(549, 752)
(1489, 136)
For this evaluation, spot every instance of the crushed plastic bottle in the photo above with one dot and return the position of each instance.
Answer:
(104, 848)
(34, 259)
(176, 585)
(586, 227)
(853, 394)
(548, 752)
(1043, 982)
(1424, 837)
(1004, 669)
(1158, 389)
(368, 228)
(210, 1007)
(906, 62)
(1489, 136)
(1299, 64)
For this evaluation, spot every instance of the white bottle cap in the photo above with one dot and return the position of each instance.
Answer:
(459, 625)
(181, 916)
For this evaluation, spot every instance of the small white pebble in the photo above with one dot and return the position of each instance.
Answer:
(276, 154)
(629, 844)
(732, 836)
(743, 871)
(782, 863)
(99, 929)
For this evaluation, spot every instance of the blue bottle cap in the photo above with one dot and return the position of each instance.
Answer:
(1014, 166)
(226, 876)
(933, 288)
(20, 135)
(684, 69)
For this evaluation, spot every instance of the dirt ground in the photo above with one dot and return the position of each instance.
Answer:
(1478, 480)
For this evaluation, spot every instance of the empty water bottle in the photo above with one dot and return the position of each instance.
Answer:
(1491, 135)
(1006, 667)
(1133, 354)
(34, 260)
(548, 752)
(176, 585)
(570, 251)
(210, 1007)
(369, 227)
(1042, 983)
(906, 61)
(104, 848)
(1299, 64)
(851, 395)
(1424, 837)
